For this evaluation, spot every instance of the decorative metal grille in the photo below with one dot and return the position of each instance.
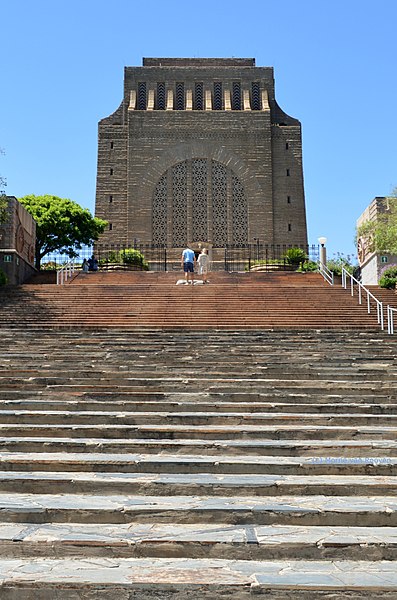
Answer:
(198, 96)
(218, 104)
(209, 179)
(239, 213)
(236, 96)
(142, 96)
(219, 203)
(180, 96)
(160, 99)
(199, 199)
(159, 213)
(179, 205)
(255, 96)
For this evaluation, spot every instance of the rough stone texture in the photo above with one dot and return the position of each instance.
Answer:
(256, 142)
(17, 243)
(200, 465)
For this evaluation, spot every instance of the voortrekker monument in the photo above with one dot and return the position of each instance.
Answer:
(200, 150)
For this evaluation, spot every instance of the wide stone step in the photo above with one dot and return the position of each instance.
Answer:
(194, 418)
(158, 484)
(216, 540)
(201, 407)
(296, 432)
(319, 450)
(43, 399)
(320, 510)
(189, 464)
(204, 579)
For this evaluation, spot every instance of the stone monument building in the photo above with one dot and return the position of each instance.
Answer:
(199, 150)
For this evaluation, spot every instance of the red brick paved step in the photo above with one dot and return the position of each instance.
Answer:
(153, 300)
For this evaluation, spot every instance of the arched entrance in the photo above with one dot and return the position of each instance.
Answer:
(199, 199)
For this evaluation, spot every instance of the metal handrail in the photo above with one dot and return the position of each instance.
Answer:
(390, 319)
(361, 289)
(326, 273)
(65, 272)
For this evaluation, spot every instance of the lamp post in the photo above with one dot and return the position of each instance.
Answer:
(323, 251)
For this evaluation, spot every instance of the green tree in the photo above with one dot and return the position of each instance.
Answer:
(61, 225)
(381, 233)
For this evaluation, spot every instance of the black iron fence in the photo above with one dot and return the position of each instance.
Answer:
(241, 257)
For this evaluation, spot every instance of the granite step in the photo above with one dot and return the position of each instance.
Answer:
(202, 406)
(215, 540)
(311, 510)
(203, 484)
(321, 451)
(204, 579)
(108, 399)
(196, 464)
(109, 418)
(207, 432)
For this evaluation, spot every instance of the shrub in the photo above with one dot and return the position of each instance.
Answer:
(51, 265)
(3, 277)
(388, 277)
(295, 256)
(308, 266)
(129, 256)
(335, 265)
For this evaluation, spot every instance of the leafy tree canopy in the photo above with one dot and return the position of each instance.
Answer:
(381, 233)
(61, 225)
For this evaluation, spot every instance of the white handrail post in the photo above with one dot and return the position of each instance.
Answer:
(352, 285)
(381, 316)
(359, 294)
(368, 303)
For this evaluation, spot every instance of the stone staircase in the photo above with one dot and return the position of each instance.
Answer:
(173, 442)
(146, 464)
(237, 301)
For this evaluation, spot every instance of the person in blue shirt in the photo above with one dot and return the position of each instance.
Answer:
(188, 260)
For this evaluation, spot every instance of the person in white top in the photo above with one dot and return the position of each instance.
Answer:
(203, 262)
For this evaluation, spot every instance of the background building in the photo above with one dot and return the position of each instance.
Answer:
(199, 150)
(372, 263)
(17, 243)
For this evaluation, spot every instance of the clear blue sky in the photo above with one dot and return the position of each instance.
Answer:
(61, 71)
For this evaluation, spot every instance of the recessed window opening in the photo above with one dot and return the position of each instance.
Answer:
(142, 96)
(198, 96)
(236, 96)
(217, 95)
(160, 97)
(180, 96)
(255, 96)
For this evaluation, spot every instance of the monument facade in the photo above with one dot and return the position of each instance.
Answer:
(199, 150)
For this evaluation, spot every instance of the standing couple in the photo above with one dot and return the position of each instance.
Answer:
(188, 261)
